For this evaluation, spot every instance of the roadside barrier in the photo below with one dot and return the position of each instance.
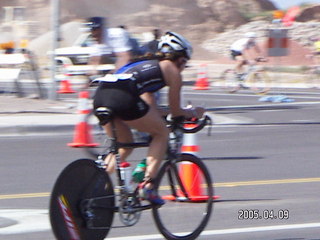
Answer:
(202, 82)
(82, 135)
(21, 63)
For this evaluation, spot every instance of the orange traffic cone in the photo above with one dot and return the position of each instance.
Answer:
(190, 175)
(192, 179)
(202, 78)
(189, 144)
(82, 136)
(65, 86)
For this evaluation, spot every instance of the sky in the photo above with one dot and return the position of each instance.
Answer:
(285, 4)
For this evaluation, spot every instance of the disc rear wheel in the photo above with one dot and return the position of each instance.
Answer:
(82, 202)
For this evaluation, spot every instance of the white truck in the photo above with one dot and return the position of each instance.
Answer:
(74, 59)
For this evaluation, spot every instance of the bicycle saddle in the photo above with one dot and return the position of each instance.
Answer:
(104, 114)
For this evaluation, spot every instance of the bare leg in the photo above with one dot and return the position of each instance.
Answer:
(124, 135)
(153, 123)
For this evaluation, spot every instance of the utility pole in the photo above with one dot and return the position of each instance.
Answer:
(55, 10)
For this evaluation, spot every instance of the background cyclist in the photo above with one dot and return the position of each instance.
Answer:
(133, 103)
(241, 51)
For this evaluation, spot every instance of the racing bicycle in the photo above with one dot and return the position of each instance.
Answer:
(255, 78)
(84, 199)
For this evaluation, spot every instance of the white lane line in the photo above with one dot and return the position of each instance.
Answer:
(24, 221)
(313, 95)
(228, 231)
(36, 220)
(261, 229)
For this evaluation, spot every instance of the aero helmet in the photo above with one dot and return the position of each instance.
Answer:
(172, 42)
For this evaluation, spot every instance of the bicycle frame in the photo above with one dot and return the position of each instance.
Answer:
(252, 69)
(173, 150)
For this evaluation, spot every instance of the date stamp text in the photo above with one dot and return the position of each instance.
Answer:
(256, 214)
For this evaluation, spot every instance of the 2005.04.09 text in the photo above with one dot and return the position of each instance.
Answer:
(256, 214)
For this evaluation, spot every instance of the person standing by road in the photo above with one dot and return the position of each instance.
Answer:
(110, 42)
(152, 46)
(134, 43)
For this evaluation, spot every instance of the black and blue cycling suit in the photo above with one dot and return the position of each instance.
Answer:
(123, 95)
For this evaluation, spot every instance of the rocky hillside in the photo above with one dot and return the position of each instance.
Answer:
(311, 13)
(210, 24)
(198, 19)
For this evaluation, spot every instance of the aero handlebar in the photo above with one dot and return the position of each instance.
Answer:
(191, 125)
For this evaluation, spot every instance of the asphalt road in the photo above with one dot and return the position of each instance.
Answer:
(263, 157)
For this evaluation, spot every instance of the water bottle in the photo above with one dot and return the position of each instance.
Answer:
(125, 170)
(139, 171)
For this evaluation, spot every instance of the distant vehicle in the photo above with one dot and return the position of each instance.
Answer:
(76, 57)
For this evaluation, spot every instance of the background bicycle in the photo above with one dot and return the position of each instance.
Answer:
(255, 78)
(84, 200)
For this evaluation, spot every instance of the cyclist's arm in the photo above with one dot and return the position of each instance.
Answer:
(259, 51)
(253, 53)
(173, 79)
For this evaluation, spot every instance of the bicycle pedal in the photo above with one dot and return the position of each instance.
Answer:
(101, 163)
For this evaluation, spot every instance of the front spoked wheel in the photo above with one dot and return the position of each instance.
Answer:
(82, 202)
(187, 188)
(259, 82)
(229, 81)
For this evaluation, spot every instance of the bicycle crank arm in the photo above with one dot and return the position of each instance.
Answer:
(133, 209)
